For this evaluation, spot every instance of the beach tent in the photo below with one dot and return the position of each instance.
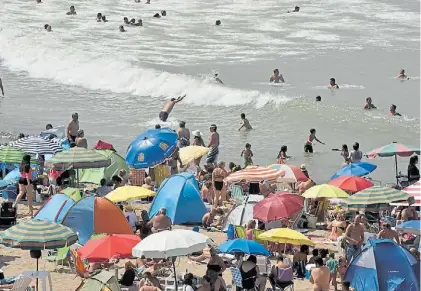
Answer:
(180, 195)
(102, 281)
(95, 175)
(94, 215)
(55, 208)
(384, 265)
(242, 213)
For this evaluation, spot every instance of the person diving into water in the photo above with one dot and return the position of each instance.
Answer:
(168, 107)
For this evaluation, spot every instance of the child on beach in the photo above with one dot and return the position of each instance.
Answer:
(341, 270)
(333, 264)
(247, 154)
(282, 156)
(308, 147)
(344, 153)
(369, 105)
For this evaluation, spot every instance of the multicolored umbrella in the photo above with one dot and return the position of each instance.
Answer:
(127, 193)
(151, 148)
(376, 195)
(244, 246)
(293, 174)
(325, 191)
(413, 191)
(351, 183)
(110, 246)
(11, 155)
(276, 206)
(38, 235)
(254, 174)
(78, 158)
(287, 236)
(394, 149)
(36, 145)
(355, 169)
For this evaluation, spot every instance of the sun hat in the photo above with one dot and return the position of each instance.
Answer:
(197, 133)
(303, 167)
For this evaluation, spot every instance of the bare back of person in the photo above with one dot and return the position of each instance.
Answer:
(321, 278)
(246, 124)
(389, 234)
(161, 222)
(168, 106)
(73, 127)
(183, 132)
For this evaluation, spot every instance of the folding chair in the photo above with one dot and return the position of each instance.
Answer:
(240, 232)
(59, 258)
(237, 194)
(21, 284)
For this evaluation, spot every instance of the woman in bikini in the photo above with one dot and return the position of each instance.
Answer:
(25, 183)
(218, 176)
(215, 268)
(338, 226)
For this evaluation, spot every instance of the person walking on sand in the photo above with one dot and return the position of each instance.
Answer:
(212, 156)
(308, 147)
(163, 115)
(1, 87)
(354, 235)
(246, 123)
(73, 128)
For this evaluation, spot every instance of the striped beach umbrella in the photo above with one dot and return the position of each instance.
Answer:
(37, 145)
(11, 155)
(254, 174)
(413, 191)
(293, 174)
(78, 158)
(376, 195)
(38, 235)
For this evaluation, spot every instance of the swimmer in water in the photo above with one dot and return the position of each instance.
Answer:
(132, 21)
(318, 99)
(39, 1)
(164, 13)
(393, 112)
(156, 15)
(332, 84)
(139, 23)
(72, 11)
(163, 115)
(218, 22)
(402, 75)
(47, 27)
(126, 20)
(217, 79)
(104, 19)
(148, 2)
(121, 28)
(296, 9)
(99, 17)
(246, 124)
(1, 87)
(369, 105)
(276, 77)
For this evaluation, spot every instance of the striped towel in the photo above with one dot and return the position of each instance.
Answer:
(212, 155)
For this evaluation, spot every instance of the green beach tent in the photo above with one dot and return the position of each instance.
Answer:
(102, 281)
(95, 175)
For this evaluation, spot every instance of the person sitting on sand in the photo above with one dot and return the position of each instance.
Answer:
(217, 79)
(308, 146)
(276, 77)
(157, 15)
(99, 17)
(245, 122)
(72, 11)
(402, 75)
(332, 84)
(320, 276)
(160, 222)
(208, 218)
(338, 226)
(218, 23)
(81, 140)
(392, 111)
(369, 105)
(129, 274)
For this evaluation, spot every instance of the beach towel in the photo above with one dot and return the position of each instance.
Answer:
(212, 155)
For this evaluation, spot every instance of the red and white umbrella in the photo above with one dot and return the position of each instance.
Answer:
(254, 174)
(293, 174)
(415, 191)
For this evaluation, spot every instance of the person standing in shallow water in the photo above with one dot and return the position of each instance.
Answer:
(1, 87)
(246, 123)
(308, 147)
(73, 128)
(212, 156)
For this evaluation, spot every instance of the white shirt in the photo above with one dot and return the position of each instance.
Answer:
(187, 288)
(355, 156)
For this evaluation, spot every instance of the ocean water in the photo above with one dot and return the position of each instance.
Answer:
(118, 82)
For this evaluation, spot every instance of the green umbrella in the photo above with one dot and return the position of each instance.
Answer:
(78, 158)
(376, 195)
(95, 175)
(11, 155)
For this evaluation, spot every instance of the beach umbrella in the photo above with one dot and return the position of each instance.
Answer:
(292, 174)
(102, 145)
(255, 174)
(355, 169)
(413, 191)
(278, 206)
(244, 246)
(126, 193)
(412, 226)
(11, 155)
(285, 235)
(190, 153)
(151, 148)
(78, 158)
(325, 191)
(351, 183)
(376, 195)
(111, 246)
(37, 145)
(393, 149)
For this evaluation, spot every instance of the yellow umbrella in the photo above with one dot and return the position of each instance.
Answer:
(190, 153)
(126, 193)
(287, 236)
(325, 191)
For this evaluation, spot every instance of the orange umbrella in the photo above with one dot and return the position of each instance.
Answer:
(351, 183)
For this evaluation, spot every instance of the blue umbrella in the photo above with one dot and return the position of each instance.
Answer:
(412, 226)
(355, 169)
(243, 246)
(151, 148)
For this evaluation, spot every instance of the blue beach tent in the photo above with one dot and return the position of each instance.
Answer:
(383, 265)
(180, 195)
(55, 209)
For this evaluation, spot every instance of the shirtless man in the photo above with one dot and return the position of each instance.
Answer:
(276, 77)
(1, 88)
(213, 145)
(409, 214)
(246, 123)
(392, 111)
(163, 115)
(354, 235)
(332, 84)
(320, 276)
(72, 11)
(308, 146)
(388, 232)
(402, 75)
(73, 128)
(183, 135)
(160, 222)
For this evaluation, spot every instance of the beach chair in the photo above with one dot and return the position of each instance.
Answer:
(237, 194)
(240, 232)
(80, 269)
(21, 284)
(256, 233)
(59, 258)
(264, 265)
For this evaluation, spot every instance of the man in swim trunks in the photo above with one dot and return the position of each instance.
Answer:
(163, 115)
(308, 146)
(73, 128)
(246, 124)
(1, 88)
(276, 77)
(354, 235)
(332, 84)
(213, 145)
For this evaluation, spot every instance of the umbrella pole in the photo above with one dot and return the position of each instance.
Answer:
(396, 169)
(175, 275)
(37, 275)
